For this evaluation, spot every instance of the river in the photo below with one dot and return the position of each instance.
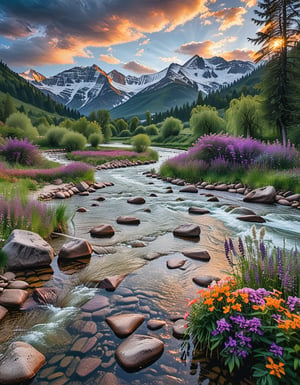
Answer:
(150, 288)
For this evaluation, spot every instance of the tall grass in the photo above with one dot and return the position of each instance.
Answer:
(255, 263)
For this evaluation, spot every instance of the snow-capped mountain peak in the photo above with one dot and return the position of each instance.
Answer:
(32, 75)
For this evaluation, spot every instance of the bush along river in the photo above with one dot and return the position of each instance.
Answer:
(109, 308)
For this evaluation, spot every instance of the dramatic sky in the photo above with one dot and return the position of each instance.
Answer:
(132, 36)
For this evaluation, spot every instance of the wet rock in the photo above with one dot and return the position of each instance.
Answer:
(169, 191)
(60, 195)
(20, 363)
(209, 187)
(109, 379)
(213, 199)
(152, 255)
(152, 195)
(84, 327)
(199, 255)
(22, 285)
(252, 218)
(138, 351)
(103, 230)
(136, 200)
(188, 230)
(155, 324)
(99, 185)
(147, 210)
(3, 312)
(293, 197)
(189, 189)
(84, 345)
(205, 280)
(261, 195)
(84, 194)
(284, 202)
(13, 297)
(136, 244)
(8, 276)
(241, 190)
(82, 186)
(112, 282)
(179, 328)
(242, 211)
(75, 248)
(175, 263)
(94, 204)
(96, 303)
(26, 249)
(127, 220)
(81, 210)
(45, 295)
(221, 187)
(198, 210)
(124, 324)
(87, 366)
(100, 199)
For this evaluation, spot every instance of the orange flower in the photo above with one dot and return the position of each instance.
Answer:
(274, 302)
(230, 300)
(275, 369)
(244, 297)
(226, 309)
(208, 301)
(257, 307)
(237, 307)
(219, 299)
(212, 308)
(192, 302)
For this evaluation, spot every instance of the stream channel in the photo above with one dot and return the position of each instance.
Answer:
(150, 288)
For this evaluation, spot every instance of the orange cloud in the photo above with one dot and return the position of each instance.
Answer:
(228, 17)
(206, 49)
(140, 52)
(109, 59)
(144, 42)
(138, 68)
(239, 54)
(249, 3)
(207, 22)
(173, 59)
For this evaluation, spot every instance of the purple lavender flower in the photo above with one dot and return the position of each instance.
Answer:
(243, 340)
(254, 325)
(222, 326)
(238, 320)
(241, 247)
(276, 350)
(293, 303)
(227, 250)
(232, 343)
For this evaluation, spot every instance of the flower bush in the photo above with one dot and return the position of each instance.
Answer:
(248, 328)
(20, 151)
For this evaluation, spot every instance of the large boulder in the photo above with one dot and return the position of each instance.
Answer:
(139, 351)
(252, 218)
(20, 363)
(102, 231)
(261, 195)
(188, 230)
(13, 297)
(198, 210)
(76, 248)
(189, 189)
(26, 249)
(198, 254)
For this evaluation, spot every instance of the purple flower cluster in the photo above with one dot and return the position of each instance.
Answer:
(20, 151)
(252, 325)
(222, 326)
(276, 350)
(293, 303)
(255, 296)
(238, 344)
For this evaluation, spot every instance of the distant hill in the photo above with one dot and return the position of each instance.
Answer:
(17, 87)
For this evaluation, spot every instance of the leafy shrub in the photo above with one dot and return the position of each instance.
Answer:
(95, 139)
(248, 327)
(121, 125)
(73, 141)
(20, 151)
(54, 136)
(139, 130)
(113, 130)
(152, 130)
(171, 127)
(141, 142)
(205, 120)
(125, 133)
(43, 129)
(22, 124)
(86, 128)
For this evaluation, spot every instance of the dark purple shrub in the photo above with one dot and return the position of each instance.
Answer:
(20, 151)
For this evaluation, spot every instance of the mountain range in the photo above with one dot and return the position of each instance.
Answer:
(90, 88)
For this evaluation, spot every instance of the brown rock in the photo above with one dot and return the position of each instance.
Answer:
(198, 210)
(242, 211)
(136, 200)
(8, 276)
(26, 249)
(209, 187)
(22, 285)
(179, 328)
(221, 187)
(199, 255)
(81, 210)
(284, 202)
(124, 324)
(155, 324)
(189, 189)
(3, 312)
(205, 280)
(84, 327)
(60, 195)
(102, 231)
(175, 263)
(45, 295)
(84, 194)
(112, 282)
(187, 230)
(82, 186)
(213, 199)
(147, 210)
(109, 379)
(99, 185)
(261, 195)
(152, 195)
(100, 199)
(127, 220)
(87, 366)
(138, 351)
(13, 297)
(293, 197)
(252, 218)
(76, 248)
(20, 363)
(96, 303)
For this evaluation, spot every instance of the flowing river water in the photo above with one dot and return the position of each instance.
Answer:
(150, 288)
